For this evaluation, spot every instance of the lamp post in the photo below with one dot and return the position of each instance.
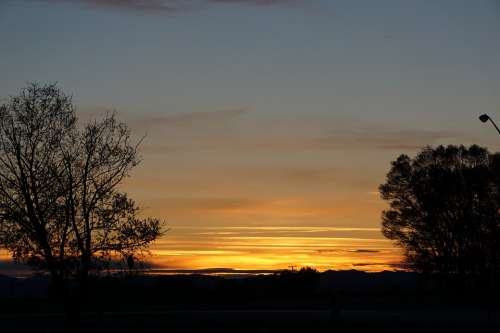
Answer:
(484, 118)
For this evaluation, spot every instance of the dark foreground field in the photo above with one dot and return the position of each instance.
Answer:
(428, 320)
(286, 302)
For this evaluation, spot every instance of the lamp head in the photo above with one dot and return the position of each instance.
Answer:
(484, 118)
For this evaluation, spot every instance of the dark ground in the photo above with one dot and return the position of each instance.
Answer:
(286, 302)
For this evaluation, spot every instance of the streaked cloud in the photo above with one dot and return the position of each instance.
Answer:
(228, 130)
(368, 264)
(260, 249)
(247, 130)
(159, 6)
(274, 247)
(375, 137)
(168, 6)
(205, 204)
(298, 228)
(215, 271)
(256, 2)
(380, 138)
(354, 251)
(193, 118)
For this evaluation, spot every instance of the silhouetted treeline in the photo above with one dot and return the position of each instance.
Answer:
(300, 289)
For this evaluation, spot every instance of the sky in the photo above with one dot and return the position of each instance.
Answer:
(269, 123)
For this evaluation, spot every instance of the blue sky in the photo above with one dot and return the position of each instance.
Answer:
(265, 113)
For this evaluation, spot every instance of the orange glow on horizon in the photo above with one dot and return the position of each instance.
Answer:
(267, 247)
(272, 248)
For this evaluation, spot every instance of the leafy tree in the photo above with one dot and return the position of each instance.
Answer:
(444, 210)
(60, 206)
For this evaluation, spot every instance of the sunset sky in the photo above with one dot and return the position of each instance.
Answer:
(270, 123)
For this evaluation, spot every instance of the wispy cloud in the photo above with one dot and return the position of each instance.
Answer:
(215, 271)
(272, 247)
(238, 135)
(256, 2)
(362, 251)
(363, 138)
(209, 204)
(168, 6)
(190, 118)
(160, 6)
(366, 251)
(380, 138)
(393, 265)
(246, 129)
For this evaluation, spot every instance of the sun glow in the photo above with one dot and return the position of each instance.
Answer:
(267, 247)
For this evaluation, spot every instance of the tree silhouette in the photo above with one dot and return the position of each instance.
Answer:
(444, 210)
(60, 209)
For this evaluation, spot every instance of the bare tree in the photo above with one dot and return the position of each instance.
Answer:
(60, 206)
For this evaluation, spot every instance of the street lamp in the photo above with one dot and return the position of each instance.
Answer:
(484, 118)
